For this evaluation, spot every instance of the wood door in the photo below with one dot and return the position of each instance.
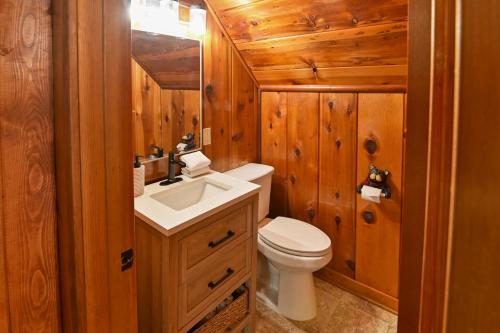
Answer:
(273, 147)
(380, 119)
(337, 177)
(302, 154)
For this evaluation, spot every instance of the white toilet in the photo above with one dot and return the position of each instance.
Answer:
(296, 249)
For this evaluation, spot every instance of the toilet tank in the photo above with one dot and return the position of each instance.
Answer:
(259, 174)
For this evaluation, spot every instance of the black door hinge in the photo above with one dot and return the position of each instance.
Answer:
(127, 259)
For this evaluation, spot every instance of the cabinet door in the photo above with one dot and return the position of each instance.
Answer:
(380, 142)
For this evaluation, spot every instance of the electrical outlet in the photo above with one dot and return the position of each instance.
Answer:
(207, 136)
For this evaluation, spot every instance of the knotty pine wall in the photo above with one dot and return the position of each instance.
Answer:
(230, 102)
(315, 141)
(161, 116)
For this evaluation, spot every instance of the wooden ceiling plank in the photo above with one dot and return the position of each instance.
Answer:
(369, 75)
(383, 49)
(279, 18)
(174, 63)
(325, 36)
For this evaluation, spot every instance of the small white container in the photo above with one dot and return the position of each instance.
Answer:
(139, 177)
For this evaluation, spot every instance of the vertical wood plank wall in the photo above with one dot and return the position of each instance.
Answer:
(146, 110)
(337, 176)
(230, 103)
(29, 300)
(161, 116)
(302, 155)
(315, 141)
(377, 252)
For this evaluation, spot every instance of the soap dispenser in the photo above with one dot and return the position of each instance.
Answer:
(139, 173)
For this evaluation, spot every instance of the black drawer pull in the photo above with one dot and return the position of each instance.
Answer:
(230, 234)
(213, 285)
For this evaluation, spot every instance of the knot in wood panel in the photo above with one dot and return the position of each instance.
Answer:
(297, 151)
(311, 213)
(349, 110)
(371, 146)
(293, 179)
(237, 136)
(312, 21)
(331, 105)
(338, 143)
(209, 89)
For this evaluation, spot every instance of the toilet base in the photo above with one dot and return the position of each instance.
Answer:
(296, 295)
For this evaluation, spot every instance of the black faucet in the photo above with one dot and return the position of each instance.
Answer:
(158, 154)
(171, 170)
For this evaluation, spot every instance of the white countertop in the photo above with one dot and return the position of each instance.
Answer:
(169, 221)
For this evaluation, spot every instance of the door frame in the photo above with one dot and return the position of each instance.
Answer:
(94, 152)
(429, 165)
(93, 128)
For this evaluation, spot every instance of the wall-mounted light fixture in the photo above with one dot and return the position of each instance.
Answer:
(162, 17)
(197, 20)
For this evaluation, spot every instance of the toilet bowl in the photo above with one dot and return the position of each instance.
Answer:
(294, 248)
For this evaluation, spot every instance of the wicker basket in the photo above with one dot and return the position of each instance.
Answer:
(228, 317)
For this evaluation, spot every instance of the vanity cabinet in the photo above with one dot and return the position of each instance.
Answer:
(183, 277)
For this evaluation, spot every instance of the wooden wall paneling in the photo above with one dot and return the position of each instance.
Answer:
(169, 126)
(302, 156)
(380, 118)
(217, 95)
(94, 166)
(29, 298)
(146, 108)
(274, 147)
(337, 177)
(192, 112)
(244, 116)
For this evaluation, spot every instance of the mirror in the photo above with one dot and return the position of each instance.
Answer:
(166, 94)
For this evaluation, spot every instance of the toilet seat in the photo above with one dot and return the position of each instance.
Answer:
(295, 237)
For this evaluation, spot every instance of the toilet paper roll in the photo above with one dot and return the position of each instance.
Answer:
(370, 193)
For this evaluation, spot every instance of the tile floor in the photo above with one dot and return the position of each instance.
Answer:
(338, 312)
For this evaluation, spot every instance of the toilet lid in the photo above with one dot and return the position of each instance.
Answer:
(295, 237)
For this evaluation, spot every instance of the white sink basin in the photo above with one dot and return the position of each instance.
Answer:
(170, 209)
(187, 194)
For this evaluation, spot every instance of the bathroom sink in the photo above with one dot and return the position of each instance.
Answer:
(187, 194)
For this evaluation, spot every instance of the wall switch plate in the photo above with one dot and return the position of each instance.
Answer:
(207, 136)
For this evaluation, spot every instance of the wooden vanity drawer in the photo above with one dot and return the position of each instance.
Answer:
(212, 278)
(224, 230)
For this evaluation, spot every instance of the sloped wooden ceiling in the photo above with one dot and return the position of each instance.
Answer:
(319, 42)
(174, 63)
